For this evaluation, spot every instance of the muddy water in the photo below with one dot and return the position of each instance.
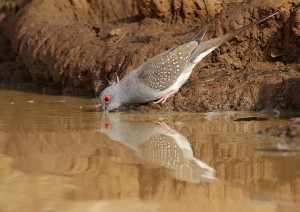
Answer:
(57, 155)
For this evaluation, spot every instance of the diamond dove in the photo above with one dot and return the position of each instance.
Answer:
(161, 77)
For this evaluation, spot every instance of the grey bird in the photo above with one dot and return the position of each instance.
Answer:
(159, 144)
(161, 77)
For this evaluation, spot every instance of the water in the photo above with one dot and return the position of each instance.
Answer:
(57, 155)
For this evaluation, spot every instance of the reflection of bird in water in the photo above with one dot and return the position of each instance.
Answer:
(159, 144)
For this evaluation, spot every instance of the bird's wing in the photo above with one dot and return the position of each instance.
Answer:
(163, 150)
(163, 70)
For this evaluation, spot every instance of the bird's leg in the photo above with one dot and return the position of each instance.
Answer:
(163, 124)
(164, 99)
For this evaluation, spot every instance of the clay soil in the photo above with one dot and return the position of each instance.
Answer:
(79, 46)
(289, 131)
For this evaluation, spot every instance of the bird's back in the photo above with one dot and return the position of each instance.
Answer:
(160, 72)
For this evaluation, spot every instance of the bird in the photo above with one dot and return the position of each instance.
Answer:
(159, 144)
(162, 76)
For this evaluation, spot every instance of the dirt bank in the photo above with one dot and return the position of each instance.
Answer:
(290, 131)
(80, 45)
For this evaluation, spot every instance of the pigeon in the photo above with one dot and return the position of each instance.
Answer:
(161, 76)
(159, 144)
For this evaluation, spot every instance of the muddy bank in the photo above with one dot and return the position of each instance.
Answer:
(80, 45)
(289, 131)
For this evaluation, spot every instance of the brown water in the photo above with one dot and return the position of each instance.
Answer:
(57, 156)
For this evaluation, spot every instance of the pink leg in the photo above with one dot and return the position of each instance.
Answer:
(163, 124)
(164, 99)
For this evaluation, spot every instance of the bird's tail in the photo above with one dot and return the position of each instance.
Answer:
(205, 47)
(200, 34)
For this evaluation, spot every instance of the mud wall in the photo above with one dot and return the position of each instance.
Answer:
(80, 45)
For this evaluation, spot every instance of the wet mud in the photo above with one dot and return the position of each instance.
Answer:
(289, 131)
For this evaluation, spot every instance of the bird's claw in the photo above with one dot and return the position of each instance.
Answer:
(164, 99)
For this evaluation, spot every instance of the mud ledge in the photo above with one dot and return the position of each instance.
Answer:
(78, 46)
(290, 131)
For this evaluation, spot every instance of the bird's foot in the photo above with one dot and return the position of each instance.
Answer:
(164, 99)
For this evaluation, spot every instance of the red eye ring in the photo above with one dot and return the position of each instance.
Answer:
(106, 125)
(106, 99)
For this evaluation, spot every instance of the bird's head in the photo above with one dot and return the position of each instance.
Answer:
(110, 98)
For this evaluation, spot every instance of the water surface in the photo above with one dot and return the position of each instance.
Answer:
(56, 155)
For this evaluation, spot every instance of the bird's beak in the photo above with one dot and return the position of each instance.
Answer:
(103, 107)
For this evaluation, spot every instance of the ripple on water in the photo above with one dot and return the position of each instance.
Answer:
(56, 145)
(40, 110)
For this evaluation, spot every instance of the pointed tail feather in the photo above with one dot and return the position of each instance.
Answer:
(200, 34)
(234, 33)
(206, 3)
(206, 47)
(206, 9)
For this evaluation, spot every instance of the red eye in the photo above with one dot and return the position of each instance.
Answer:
(106, 125)
(106, 99)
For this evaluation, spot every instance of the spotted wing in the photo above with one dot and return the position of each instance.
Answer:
(163, 150)
(163, 70)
